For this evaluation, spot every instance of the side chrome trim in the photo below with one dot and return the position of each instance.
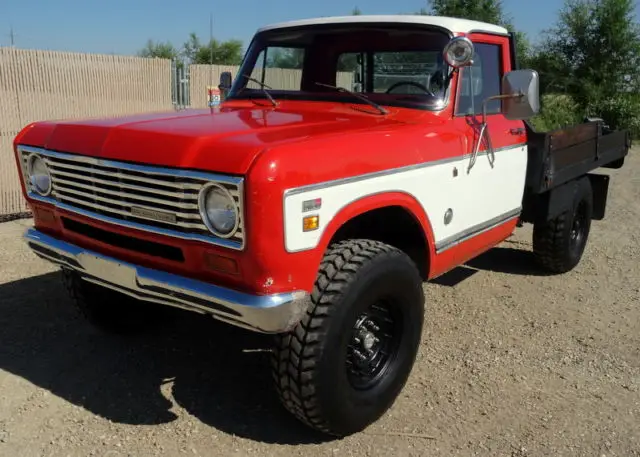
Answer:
(444, 244)
(377, 174)
(261, 313)
(476, 230)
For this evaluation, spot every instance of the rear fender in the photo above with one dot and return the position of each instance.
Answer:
(551, 204)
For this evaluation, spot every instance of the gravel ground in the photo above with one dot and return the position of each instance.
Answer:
(513, 363)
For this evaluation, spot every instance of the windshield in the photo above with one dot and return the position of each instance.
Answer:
(393, 65)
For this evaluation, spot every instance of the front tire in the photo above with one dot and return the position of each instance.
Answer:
(342, 367)
(558, 244)
(107, 310)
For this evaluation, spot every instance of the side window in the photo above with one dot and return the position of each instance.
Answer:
(479, 81)
(352, 71)
(278, 67)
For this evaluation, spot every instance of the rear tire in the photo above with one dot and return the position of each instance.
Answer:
(558, 244)
(109, 311)
(343, 366)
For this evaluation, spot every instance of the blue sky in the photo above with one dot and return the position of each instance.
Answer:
(124, 26)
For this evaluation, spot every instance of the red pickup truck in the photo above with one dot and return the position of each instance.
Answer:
(313, 211)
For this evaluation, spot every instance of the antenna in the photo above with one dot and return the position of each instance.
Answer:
(211, 48)
(12, 36)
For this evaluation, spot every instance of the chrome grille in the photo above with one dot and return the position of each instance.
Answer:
(143, 196)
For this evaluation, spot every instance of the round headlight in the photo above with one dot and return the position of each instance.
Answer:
(219, 210)
(39, 176)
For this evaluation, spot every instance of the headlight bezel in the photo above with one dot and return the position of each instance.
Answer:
(29, 174)
(202, 202)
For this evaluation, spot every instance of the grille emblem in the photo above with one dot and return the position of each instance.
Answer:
(160, 216)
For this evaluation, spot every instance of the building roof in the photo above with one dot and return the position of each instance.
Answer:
(453, 25)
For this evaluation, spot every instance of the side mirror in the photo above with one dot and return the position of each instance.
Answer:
(225, 84)
(225, 80)
(520, 99)
(520, 94)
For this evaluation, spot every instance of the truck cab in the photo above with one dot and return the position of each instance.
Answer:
(351, 160)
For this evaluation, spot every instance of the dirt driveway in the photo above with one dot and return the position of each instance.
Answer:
(513, 363)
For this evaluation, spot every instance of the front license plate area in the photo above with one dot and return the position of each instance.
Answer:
(108, 270)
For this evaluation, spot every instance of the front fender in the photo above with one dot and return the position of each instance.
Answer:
(378, 201)
(333, 218)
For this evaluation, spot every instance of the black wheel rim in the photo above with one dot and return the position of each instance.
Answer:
(373, 345)
(578, 228)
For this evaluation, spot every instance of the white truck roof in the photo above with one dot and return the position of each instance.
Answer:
(454, 25)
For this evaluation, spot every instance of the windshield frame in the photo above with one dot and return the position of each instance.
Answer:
(268, 38)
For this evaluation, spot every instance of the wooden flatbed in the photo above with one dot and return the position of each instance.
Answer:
(559, 156)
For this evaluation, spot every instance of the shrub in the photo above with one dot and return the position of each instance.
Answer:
(556, 111)
(619, 112)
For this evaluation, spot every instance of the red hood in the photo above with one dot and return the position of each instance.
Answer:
(224, 141)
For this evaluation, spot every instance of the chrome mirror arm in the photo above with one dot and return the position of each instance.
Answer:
(483, 130)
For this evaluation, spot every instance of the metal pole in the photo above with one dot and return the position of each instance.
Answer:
(174, 82)
(211, 49)
(179, 75)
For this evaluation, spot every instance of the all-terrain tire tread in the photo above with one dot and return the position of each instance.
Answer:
(549, 238)
(107, 310)
(295, 356)
(77, 293)
(547, 243)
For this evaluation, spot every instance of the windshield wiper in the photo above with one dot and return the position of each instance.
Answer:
(357, 95)
(262, 86)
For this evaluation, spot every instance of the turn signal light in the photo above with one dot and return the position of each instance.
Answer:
(310, 223)
(219, 263)
(44, 216)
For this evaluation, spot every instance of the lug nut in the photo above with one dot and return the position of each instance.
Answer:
(359, 354)
(372, 325)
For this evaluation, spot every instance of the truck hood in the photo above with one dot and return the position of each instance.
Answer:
(225, 140)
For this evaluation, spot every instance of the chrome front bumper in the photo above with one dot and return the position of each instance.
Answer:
(262, 313)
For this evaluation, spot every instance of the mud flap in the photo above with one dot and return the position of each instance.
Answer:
(600, 186)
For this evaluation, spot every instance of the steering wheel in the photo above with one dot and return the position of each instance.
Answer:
(410, 83)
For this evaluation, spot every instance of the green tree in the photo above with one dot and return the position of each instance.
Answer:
(157, 49)
(356, 12)
(291, 58)
(191, 47)
(552, 68)
(594, 49)
(490, 11)
(593, 54)
(215, 52)
(220, 53)
(479, 10)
